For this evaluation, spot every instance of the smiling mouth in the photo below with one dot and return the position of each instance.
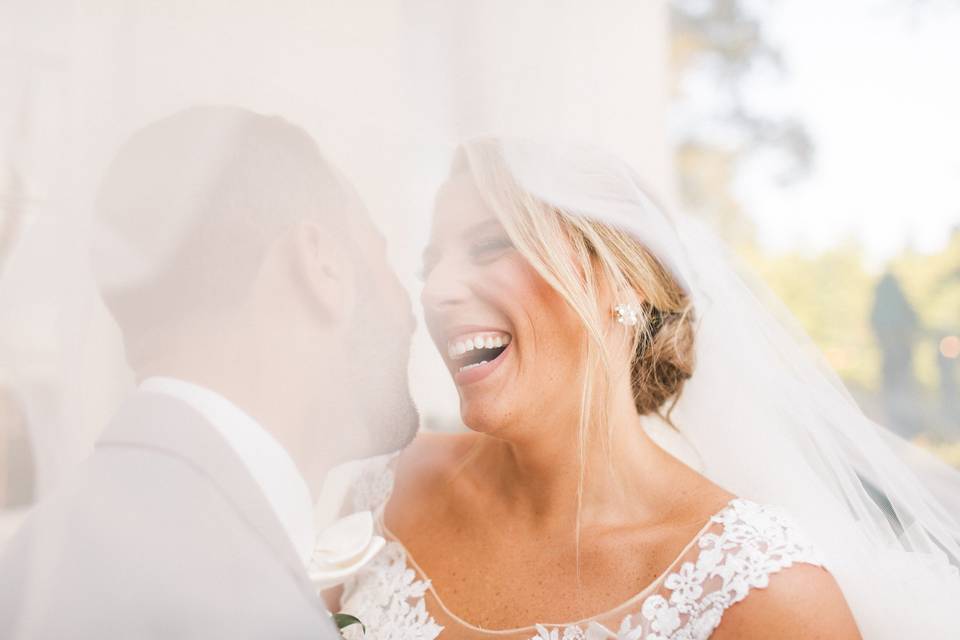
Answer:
(477, 349)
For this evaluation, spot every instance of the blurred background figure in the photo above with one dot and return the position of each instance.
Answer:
(947, 357)
(895, 324)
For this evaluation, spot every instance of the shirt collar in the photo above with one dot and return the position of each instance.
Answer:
(268, 462)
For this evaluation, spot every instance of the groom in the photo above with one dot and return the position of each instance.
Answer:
(270, 340)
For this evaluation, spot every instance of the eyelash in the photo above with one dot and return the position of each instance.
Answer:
(489, 244)
(477, 251)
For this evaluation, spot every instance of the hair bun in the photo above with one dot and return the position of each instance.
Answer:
(664, 359)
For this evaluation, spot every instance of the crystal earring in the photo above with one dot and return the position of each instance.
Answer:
(626, 314)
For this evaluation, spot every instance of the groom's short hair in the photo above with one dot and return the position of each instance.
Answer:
(191, 203)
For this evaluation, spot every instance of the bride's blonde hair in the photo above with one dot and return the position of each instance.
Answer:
(579, 258)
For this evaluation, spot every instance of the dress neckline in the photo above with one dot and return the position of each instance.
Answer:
(411, 561)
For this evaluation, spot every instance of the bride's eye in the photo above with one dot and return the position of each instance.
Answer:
(489, 248)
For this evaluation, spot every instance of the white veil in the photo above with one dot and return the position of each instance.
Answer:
(767, 417)
(385, 93)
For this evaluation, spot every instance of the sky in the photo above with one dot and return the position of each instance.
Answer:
(877, 84)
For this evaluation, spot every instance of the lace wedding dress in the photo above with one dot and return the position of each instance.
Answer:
(736, 551)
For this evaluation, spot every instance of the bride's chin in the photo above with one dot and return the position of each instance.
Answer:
(479, 419)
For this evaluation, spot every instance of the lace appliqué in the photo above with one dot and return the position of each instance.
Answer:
(753, 542)
(372, 489)
(386, 595)
(756, 541)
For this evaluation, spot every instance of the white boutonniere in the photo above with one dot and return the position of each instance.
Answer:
(342, 549)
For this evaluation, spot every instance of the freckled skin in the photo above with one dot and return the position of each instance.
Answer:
(491, 516)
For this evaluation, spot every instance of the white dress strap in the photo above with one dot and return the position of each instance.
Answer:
(754, 541)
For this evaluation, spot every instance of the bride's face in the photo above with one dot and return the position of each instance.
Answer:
(511, 343)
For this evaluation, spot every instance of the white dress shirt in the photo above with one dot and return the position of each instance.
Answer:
(268, 462)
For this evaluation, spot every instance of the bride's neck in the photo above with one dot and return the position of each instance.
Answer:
(624, 475)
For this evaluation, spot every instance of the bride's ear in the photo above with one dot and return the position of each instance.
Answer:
(323, 271)
(607, 295)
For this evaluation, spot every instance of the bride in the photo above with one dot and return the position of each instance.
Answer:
(651, 454)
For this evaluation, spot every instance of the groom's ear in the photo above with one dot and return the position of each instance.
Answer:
(324, 271)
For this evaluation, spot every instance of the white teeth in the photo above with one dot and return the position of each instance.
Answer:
(471, 366)
(485, 340)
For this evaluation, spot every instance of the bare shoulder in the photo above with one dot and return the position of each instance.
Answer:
(801, 601)
(422, 469)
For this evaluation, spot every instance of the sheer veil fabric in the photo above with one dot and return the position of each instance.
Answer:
(388, 95)
(764, 415)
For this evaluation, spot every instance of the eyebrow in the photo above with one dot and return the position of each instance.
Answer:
(432, 251)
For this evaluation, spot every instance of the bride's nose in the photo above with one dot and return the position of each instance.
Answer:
(444, 287)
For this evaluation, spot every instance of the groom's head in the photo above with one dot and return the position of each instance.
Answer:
(230, 252)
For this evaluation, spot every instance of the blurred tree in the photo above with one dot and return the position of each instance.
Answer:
(721, 44)
(724, 42)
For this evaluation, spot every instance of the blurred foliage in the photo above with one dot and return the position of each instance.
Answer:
(725, 41)
(947, 451)
(831, 293)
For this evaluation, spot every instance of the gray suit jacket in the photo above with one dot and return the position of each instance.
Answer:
(163, 533)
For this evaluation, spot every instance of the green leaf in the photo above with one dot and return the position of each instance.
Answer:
(344, 620)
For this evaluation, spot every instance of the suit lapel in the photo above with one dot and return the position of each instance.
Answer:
(166, 424)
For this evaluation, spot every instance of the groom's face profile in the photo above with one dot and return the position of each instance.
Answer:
(237, 257)
(378, 338)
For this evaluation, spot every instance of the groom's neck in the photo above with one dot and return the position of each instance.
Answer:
(274, 395)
